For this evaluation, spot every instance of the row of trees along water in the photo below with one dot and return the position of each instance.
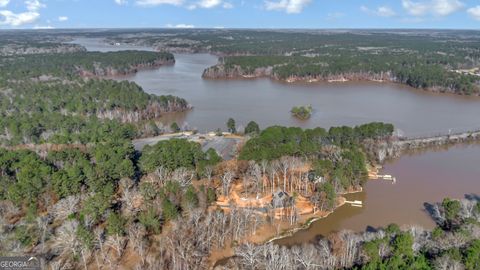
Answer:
(407, 69)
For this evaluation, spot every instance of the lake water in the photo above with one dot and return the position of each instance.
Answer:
(268, 102)
(421, 177)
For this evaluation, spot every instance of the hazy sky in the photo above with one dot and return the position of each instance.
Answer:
(241, 13)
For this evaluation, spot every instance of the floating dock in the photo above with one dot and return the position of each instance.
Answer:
(355, 203)
(388, 177)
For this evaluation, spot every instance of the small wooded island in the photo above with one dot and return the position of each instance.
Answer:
(302, 112)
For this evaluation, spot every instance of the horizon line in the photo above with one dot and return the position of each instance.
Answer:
(230, 28)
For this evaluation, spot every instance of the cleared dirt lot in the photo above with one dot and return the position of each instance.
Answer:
(226, 145)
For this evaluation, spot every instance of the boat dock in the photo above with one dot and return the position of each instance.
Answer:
(355, 203)
(387, 177)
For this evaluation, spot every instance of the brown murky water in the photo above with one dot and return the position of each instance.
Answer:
(422, 177)
(268, 102)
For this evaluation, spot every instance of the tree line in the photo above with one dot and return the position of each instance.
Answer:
(277, 141)
(71, 64)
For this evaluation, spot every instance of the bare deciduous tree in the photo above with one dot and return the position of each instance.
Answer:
(129, 198)
(65, 242)
(227, 178)
(208, 173)
(249, 254)
(136, 236)
(65, 207)
(183, 176)
(117, 243)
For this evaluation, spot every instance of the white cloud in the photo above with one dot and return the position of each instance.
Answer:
(182, 25)
(191, 5)
(289, 6)
(17, 19)
(62, 18)
(445, 7)
(474, 12)
(159, 2)
(121, 2)
(383, 11)
(10, 18)
(33, 5)
(4, 3)
(43, 27)
(435, 7)
(209, 3)
(415, 8)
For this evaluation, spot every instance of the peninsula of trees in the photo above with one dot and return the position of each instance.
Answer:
(433, 73)
(46, 98)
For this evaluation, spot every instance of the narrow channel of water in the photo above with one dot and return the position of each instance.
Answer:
(421, 177)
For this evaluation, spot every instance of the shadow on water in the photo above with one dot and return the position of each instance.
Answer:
(473, 197)
(371, 229)
(429, 208)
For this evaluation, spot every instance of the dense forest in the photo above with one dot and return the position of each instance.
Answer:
(434, 73)
(81, 63)
(16, 48)
(44, 97)
(335, 155)
(275, 142)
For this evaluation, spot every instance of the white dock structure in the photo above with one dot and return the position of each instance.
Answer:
(355, 203)
(388, 177)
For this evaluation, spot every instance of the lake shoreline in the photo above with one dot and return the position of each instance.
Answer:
(310, 220)
(304, 224)
(308, 81)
